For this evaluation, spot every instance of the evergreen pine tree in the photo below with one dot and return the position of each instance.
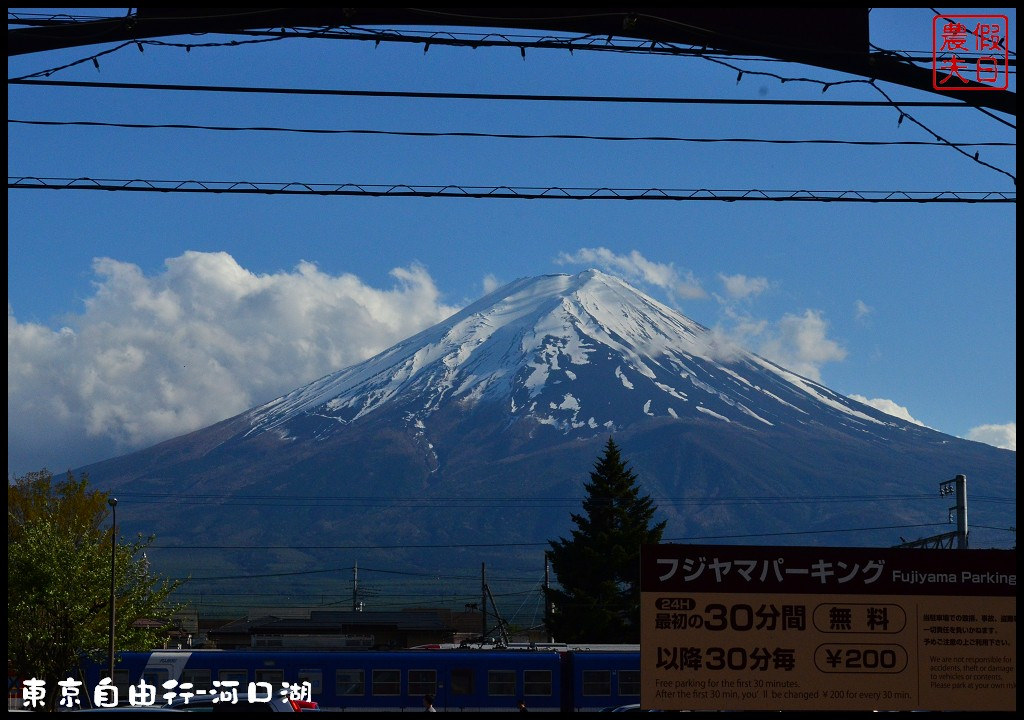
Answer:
(599, 568)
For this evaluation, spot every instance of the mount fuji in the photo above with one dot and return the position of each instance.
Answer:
(478, 433)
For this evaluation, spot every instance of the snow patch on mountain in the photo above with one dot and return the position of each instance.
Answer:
(622, 378)
(823, 395)
(712, 413)
(669, 390)
(568, 403)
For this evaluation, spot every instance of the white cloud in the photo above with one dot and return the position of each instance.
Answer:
(154, 357)
(862, 310)
(739, 337)
(636, 268)
(491, 283)
(1001, 436)
(889, 407)
(801, 344)
(740, 287)
(796, 342)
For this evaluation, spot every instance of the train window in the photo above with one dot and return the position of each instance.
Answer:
(349, 682)
(501, 682)
(240, 676)
(422, 682)
(315, 678)
(537, 682)
(274, 677)
(121, 681)
(597, 682)
(387, 682)
(462, 681)
(629, 682)
(155, 676)
(200, 679)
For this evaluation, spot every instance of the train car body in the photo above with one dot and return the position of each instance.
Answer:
(481, 680)
(598, 679)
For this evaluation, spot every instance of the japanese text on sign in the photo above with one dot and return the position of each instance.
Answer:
(143, 694)
(798, 628)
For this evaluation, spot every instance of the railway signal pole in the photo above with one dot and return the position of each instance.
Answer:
(958, 487)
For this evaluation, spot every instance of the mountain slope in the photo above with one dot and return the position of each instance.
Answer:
(471, 441)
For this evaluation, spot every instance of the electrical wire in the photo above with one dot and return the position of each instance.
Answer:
(585, 42)
(17, 18)
(507, 192)
(463, 502)
(911, 118)
(900, 56)
(486, 96)
(94, 59)
(502, 136)
(685, 539)
(825, 85)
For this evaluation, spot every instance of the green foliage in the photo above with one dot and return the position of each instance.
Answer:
(58, 580)
(599, 568)
(70, 503)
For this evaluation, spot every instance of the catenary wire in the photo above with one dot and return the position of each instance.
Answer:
(508, 192)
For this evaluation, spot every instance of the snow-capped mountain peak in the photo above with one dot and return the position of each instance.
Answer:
(578, 352)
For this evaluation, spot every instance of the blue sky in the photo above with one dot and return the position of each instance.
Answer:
(136, 317)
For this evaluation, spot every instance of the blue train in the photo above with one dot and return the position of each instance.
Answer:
(546, 678)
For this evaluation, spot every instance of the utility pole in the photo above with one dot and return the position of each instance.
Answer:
(483, 602)
(355, 587)
(958, 487)
(547, 602)
(502, 629)
(113, 557)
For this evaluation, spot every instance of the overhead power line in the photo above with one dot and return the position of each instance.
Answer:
(717, 499)
(602, 43)
(673, 26)
(245, 187)
(400, 546)
(484, 96)
(463, 501)
(29, 18)
(903, 114)
(545, 544)
(473, 40)
(500, 136)
(447, 576)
